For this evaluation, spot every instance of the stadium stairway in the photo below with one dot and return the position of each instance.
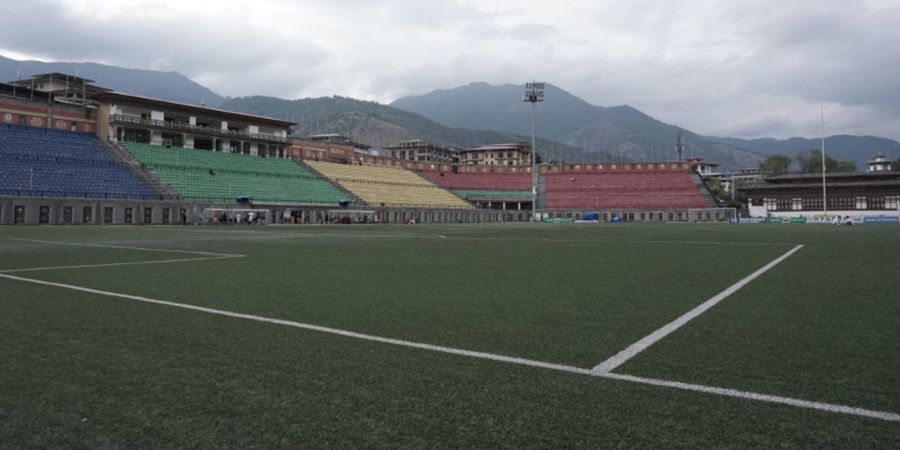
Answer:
(453, 192)
(350, 196)
(389, 186)
(144, 173)
(708, 196)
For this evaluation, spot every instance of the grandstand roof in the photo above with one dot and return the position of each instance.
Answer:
(54, 75)
(522, 146)
(862, 176)
(185, 107)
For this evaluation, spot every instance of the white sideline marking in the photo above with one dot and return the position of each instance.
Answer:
(623, 241)
(79, 244)
(319, 328)
(132, 263)
(827, 407)
(618, 359)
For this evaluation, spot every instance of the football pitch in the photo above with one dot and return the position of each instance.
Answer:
(491, 335)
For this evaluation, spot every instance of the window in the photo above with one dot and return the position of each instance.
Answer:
(875, 202)
(890, 202)
(148, 215)
(797, 204)
(841, 203)
(44, 214)
(860, 203)
(129, 215)
(165, 216)
(108, 215)
(812, 203)
(770, 204)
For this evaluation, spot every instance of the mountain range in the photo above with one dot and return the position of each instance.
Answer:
(617, 130)
(569, 128)
(859, 149)
(382, 125)
(171, 86)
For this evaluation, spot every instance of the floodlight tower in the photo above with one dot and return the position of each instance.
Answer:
(534, 94)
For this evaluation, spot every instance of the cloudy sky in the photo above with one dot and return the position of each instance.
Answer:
(744, 68)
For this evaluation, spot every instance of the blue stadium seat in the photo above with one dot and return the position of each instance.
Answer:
(40, 162)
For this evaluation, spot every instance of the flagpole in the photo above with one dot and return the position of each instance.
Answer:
(824, 195)
(18, 77)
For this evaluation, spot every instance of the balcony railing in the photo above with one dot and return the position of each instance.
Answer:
(196, 129)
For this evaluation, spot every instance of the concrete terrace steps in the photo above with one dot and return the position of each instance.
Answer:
(144, 173)
(450, 191)
(708, 196)
(205, 175)
(350, 196)
(389, 186)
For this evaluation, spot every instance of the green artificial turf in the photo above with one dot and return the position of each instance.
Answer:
(88, 370)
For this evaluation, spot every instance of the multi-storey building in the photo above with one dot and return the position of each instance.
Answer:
(126, 117)
(510, 154)
(422, 151)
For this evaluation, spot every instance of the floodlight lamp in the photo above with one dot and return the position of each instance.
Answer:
(534, 92)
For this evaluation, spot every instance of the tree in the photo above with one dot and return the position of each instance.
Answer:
(775, 165)
(715, 186)
(811, 162)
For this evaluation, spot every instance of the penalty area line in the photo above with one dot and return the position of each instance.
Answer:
(632, 350)
(806, 404)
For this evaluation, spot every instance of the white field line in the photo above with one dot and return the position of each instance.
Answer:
(623, 241)
(827, 407)
(80, 244)
(306, 233)
(618, 359)
(132, 263)
(321, 329)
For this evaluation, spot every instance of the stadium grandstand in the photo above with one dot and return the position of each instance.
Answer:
(497, 189)
(41, 162)
(639, 191)
(388, 186)
(92, 155)
(222, 177)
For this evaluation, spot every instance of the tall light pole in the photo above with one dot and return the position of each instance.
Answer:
(534, 94)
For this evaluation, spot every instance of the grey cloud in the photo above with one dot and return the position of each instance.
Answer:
(740, 68)
(197, 49)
